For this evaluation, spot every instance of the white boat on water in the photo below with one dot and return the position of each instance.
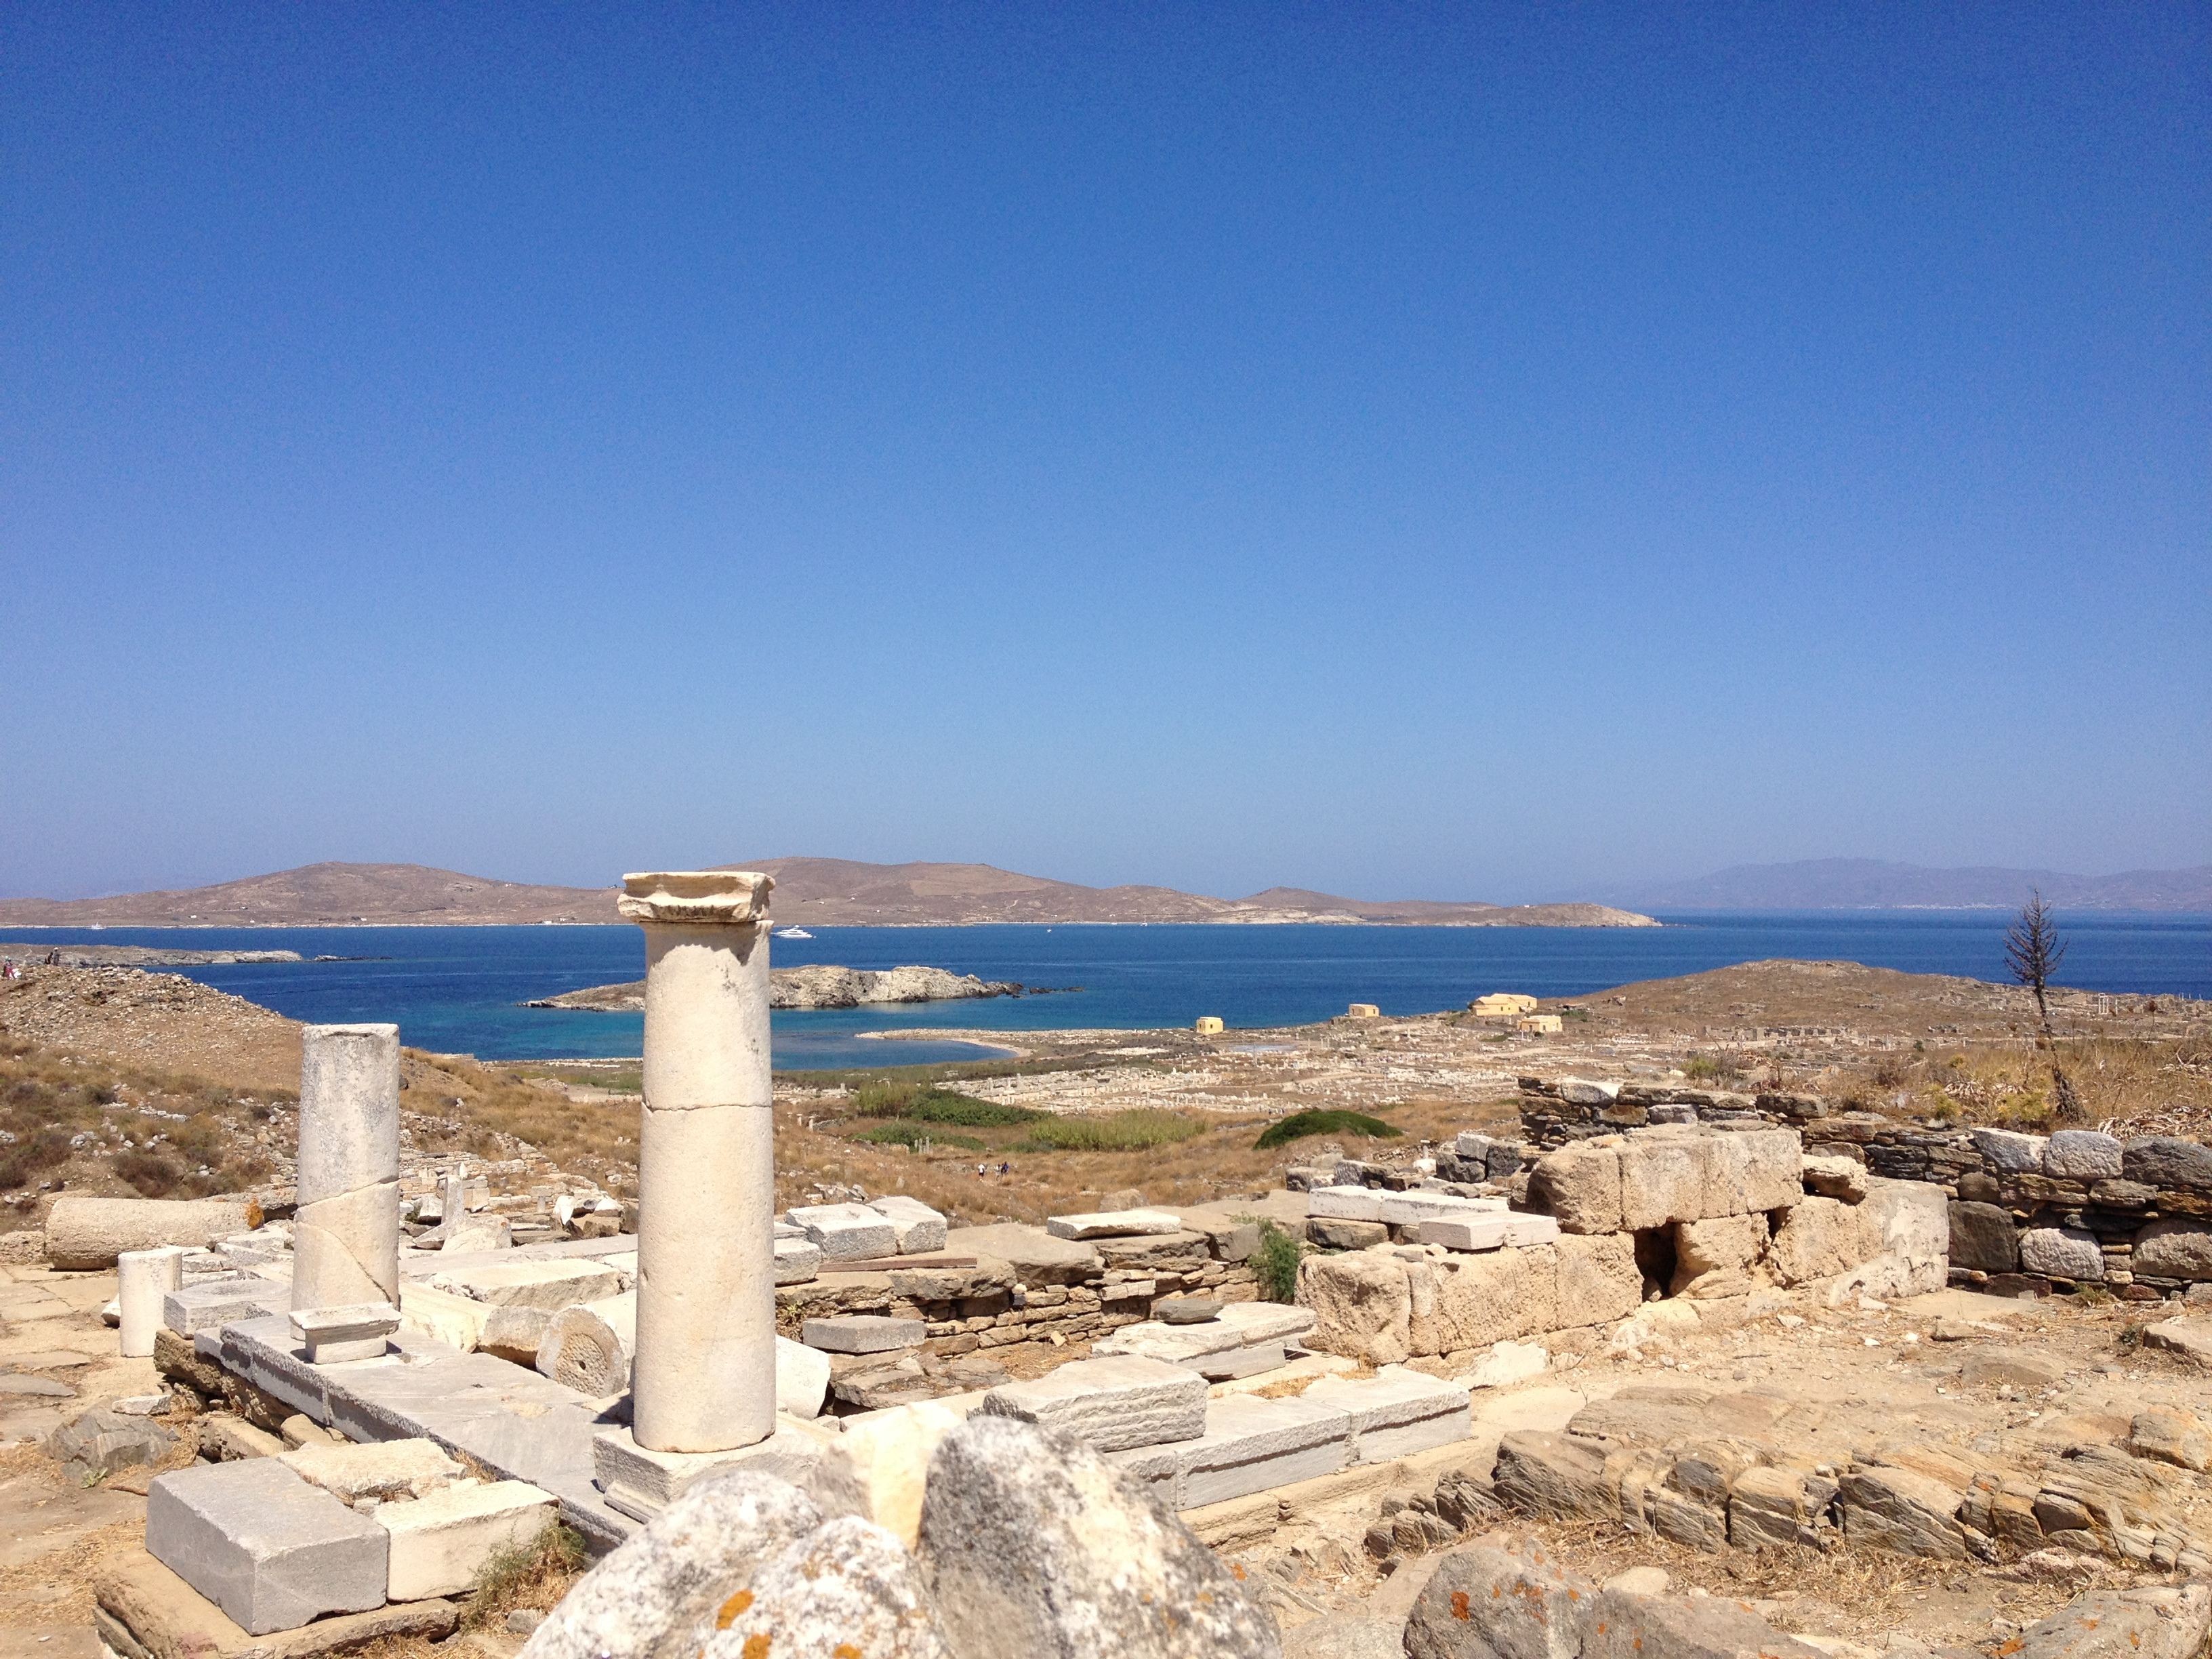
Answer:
(792, 932)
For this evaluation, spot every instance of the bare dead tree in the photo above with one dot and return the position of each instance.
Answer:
(2033, 950)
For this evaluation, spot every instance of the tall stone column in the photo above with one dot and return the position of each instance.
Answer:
(345, 1236)
(704, 1376)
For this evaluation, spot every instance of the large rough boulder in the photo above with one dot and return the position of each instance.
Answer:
(1035, 1547)
(1507, 1601)
(2174, 1249)
(659, 1594)
(2160, 1623)
(848, 1587)
(1485, 1601)
(2155, 1160)
(102, 1442)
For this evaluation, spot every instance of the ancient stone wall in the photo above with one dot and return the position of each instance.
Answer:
(989, 1307)
(2029, 1213)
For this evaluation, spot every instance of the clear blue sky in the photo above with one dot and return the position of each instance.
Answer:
(1439, 450)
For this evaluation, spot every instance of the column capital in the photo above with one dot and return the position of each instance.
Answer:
(700, 898)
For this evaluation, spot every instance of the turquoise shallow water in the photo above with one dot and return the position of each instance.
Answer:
(457, 989)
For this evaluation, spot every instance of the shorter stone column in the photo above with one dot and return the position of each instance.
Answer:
(345, 1236)
(142, 1279)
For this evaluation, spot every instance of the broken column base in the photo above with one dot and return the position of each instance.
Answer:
(641, 1483)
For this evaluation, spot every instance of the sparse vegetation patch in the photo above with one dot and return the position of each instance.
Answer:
(1299, 1125)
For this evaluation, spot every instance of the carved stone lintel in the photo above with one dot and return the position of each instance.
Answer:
(705, 898)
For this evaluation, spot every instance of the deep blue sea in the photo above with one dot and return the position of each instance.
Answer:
(457, 989)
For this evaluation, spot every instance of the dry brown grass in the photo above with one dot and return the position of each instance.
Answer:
(2134, 1086)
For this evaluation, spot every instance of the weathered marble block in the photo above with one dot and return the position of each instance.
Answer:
(1249, 1445)
(439, 1544)
(861, 1334)
(1114, 1223)
(1113, 1403)
(1395, 1413)
(270, 1550)
(919, 1229)
(846, 1232)
(1344, 1204)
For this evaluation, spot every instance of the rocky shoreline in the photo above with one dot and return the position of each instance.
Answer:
(817, 986)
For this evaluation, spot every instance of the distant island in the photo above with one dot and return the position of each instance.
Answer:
(1873, 884)
(817, 986)
(811, 892)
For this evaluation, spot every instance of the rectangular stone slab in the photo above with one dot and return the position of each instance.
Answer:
(861, 1334)
(1487, 1232)
(551, 1285)
(1396, 1413)
(214, 1303)
(440, 1543)
(1230, 1363)
(1113, 1403)
(1411, 1209)
(519, 1424)
(1268, 1321)
(1114, 1223)
(1249, 1446)
(1178, 1344)
(1344, 1204)
(143, 1611)
(920, 1229)
(797, 1260)
(846, 1232)
(270, 1550)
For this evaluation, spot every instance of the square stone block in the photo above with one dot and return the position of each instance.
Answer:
(335, 1336)
(1524, 1230)
(641, 1482)
(1488, 1232)
(1396, 1412)
(919, 1229)
(861, 1334)
(1114, 1223)
(1344, 1204)
(213, 1303)
(270, 1550)
(846, 1232)
(797, 1260)
(1113, 1403)
(1411, 1209)
(440, 1543)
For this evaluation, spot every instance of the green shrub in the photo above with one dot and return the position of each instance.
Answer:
(1118, 1131)
(1299, 1125)
(1275, 1263)
(926, 1103)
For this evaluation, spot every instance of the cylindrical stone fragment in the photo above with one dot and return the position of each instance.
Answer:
(703, 1377)
(589, 1346)
(142, 1278)
(345, 1236)
(86, 1234)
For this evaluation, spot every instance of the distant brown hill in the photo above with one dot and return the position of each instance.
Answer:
(327, 896)
(828, 892)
